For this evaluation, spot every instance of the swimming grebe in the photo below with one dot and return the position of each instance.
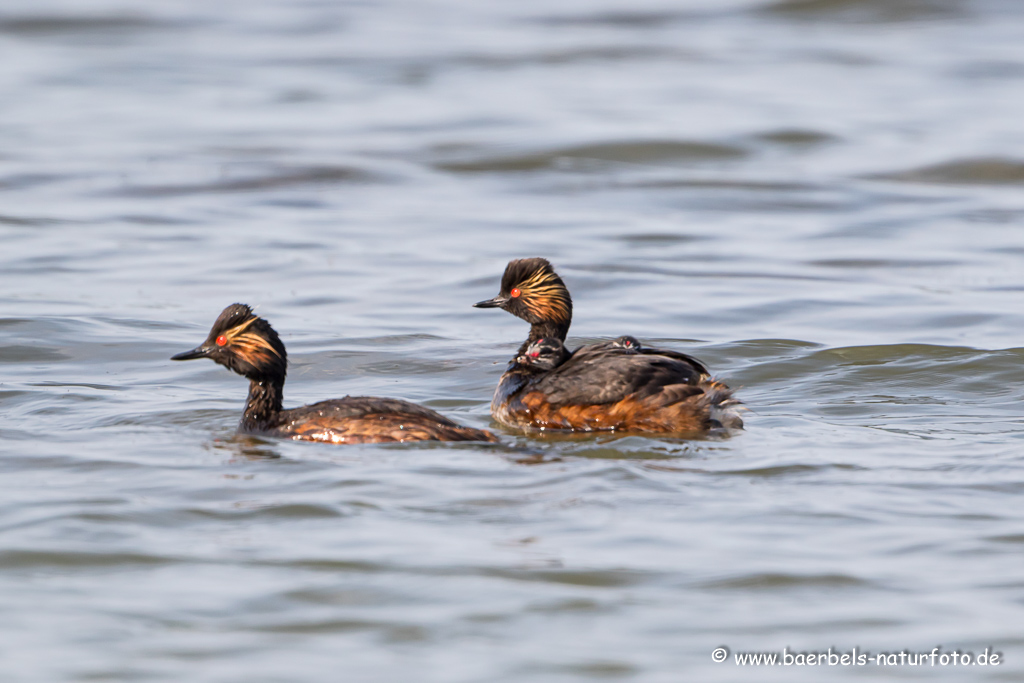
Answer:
(611, 386)
(247, 344)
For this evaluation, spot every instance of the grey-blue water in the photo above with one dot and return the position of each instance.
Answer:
(821, 199)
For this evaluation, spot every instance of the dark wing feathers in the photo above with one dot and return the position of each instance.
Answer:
(359, 406)
(668, 353)
(367, 419)
(602, 373)
(678, 355)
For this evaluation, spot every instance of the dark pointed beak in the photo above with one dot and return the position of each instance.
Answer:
(198, 352)
(496, 302)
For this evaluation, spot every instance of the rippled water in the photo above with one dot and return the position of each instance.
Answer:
(822, 199)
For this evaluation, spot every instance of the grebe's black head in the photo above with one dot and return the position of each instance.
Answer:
(242, 341)
(631, 344)
(531, 290)
(544, 354)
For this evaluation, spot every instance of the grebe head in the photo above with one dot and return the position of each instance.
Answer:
(531, 290)
(544, 354)
(245, 343)
(631, 344)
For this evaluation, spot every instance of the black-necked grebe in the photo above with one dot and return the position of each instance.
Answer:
(247, 344)
(619, 385)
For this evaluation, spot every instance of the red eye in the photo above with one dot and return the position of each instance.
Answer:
(515, 293)
(222, 340)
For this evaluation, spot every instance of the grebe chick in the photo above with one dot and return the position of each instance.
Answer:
(611, 386)
(628, 343)
(247, 344)
(544, 354)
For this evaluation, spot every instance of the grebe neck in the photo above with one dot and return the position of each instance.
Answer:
(263, 405)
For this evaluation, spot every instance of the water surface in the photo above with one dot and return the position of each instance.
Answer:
(821, 199)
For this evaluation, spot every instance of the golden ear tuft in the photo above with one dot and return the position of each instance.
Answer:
(251, 346)
(254, 348)
(545, 296)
